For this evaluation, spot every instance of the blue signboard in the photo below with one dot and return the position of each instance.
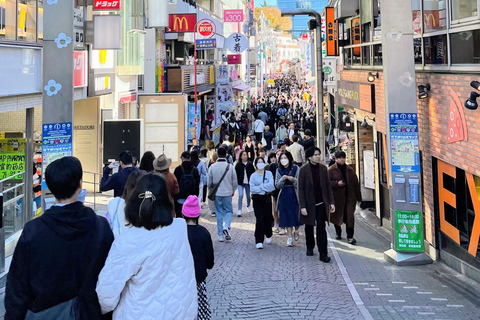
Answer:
(203, 44)
(57, 133)
(404, 142)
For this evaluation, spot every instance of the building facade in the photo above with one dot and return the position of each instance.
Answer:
(300, 22)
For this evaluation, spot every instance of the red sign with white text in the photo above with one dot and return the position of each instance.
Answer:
(233, 15)
(206, 28)
(304, 36)
(182, 22)
(234, 59)
(106, 5)
(80, 69)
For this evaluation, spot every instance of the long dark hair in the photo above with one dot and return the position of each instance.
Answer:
(146, 163)
(131, 183)
(194, 157)
(149, 212)
(290, 160)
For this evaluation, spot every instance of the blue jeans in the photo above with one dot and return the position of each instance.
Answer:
(223, 208)
(240, 195)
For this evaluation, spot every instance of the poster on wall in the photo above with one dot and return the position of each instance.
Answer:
(222, 73)
(409, 230)
(224, 100)
(404, 142)
(194, 121)
(12, 158)
(161, 58)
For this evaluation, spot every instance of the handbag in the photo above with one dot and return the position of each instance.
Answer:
(212, 192)
(69, 310)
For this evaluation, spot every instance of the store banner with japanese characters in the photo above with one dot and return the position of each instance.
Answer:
(236, 43)
(12, 158)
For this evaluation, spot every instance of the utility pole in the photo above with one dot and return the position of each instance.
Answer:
(249, 30)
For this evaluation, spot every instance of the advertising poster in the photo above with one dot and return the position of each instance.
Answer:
(224, 100)
(222, 73)
(404, 142)
(194, 121)
(161, 58)
(57, 143)
(12, 158)
(409, 230)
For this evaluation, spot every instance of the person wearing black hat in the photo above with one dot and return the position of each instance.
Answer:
(316, 202)
(188, 181)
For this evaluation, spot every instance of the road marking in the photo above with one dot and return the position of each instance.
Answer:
(425, 313)
(360, 283)
(455, 305)
(426, 292)
(351, 287)
(384, 294)
(371, 289)
(439, 299)
(398, 282)
(396, 300)
(410, 287)
(412, 307)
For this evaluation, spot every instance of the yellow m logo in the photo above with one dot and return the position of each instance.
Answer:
(427, 20)
(178, 24)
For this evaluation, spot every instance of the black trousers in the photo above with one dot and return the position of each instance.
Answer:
(320, 218)
(204, 199)
(338, 230)
(178, 209)
(258, 137)
(264, 218)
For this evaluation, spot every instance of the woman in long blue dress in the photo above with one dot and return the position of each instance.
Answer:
(287, 202)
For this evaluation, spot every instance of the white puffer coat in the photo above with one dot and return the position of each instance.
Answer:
(150, 275)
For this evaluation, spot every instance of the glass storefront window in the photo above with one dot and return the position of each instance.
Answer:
(465, 47)
(417, 48)
(347, 57)
(435, 50)
(7, 19)
(462, 9)
(366, 55)
(434, 15)
(40, 20)
(27, 20)
(377, 55)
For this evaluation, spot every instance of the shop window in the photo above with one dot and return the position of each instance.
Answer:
(434, 15)
(382, 158)
(347, 56)
(435, 50)
(462, 9)
(417, 16)
(377, 55)
(417, 48)
(8, 19)
(27, 20)
(40, 20)
(366, 55)
(465, 47)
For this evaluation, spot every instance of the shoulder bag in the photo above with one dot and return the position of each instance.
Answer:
(212, 192)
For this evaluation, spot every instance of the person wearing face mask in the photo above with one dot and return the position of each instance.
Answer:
(261, 186)
(287, 202)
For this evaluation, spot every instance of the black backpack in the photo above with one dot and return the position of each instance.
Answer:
(187, 183)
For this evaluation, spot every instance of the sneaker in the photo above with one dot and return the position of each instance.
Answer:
(249, 209)
(220, 239)
(275, 229)
(281, 232)
(259, 245)
(309, 252)
(352, 241)
(213, 214)
(289, 242)
(239, 213)
(325, 258)
(296, 235)
(268, 240)
(227, 235)
(338, 237)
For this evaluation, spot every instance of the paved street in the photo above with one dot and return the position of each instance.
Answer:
(283, 283)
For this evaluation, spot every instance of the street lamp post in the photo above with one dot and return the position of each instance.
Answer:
(318, 75)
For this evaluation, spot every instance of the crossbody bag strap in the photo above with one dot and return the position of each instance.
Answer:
(224, 174)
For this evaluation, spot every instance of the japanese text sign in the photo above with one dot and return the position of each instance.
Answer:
(237, 43)
(57, 133)
(106, 5)
(11, 164)
(234, 59)
(203, 44)
(409, 230)
(330, 32)
(233, 15)
(404, 142)
(80, 76)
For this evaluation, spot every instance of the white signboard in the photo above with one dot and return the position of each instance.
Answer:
(200, 78)
(330, 71)
(236, 43)
(369, 169)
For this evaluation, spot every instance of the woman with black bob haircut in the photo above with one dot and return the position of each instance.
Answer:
(151, 259)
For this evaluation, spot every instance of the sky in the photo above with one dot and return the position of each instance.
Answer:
(259, 3)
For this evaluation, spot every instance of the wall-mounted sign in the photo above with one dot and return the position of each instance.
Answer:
(57, 133)
(78, 17)
(305, 36)
(80, 69)
(356, 30)
(207, 28)
(101, 72)
(222, 73)
(200, 78)
(457, 125)
(409, 231)
(106, 5)
(330, 31)
(79, 38)
(203, 44)
(182, 22)
(12, 158)
(236, 43)
(357, 95)
(100, 84)
(234, 59)
(233, 15)
(404, 142)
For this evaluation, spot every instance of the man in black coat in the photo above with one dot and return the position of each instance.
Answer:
(188, 181)
(60, 252)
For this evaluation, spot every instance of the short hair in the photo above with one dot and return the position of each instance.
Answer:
(63, 177)
(289, 157)
(286, 141)
(270, 156)
(149, 213)
(222, 152)
(256, 160)
(340, 154)
(186, 155)
(311, 151)
(295, 138)
(131, 183)
(194, 157)
(308, 132)
(126, 157)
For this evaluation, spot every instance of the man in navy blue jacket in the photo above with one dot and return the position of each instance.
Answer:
(117, 180)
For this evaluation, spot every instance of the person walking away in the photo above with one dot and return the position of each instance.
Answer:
(202, 250)
(263, 116)
(224, 194)
(206, 162)
(149, 261)
(211, 204)
(346, 193)
(244, 169)
(60, 254)
(268, 138)
(202, 171)
(272, 167)
(297, 151)
(262, 185)
(188, 181)
(287, 204)
(117, 180)
(316, 202)
(258, 128)
(250, 149)
(162, 165)
(146, 163)
(116, 206)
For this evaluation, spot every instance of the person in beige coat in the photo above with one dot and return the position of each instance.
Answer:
(347, 194)
(315, 198)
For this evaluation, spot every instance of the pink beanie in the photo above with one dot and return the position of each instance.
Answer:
(191, 207)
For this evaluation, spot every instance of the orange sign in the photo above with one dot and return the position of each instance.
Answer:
(457, 125)
(330, 31)
(356, 35)
(182, 22)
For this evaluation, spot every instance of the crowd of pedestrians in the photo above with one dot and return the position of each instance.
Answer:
(149, 259)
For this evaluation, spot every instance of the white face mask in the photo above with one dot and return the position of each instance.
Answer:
(260, 166)
(284, 162)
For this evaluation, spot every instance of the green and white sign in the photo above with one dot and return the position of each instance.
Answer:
(327, 70)
(409, 231)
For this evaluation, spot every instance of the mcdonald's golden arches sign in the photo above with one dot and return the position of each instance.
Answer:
(182, 22)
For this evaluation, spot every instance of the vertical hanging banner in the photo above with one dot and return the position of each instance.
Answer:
(356, 35)
(330, 32)
(194, 118)
(161, 58)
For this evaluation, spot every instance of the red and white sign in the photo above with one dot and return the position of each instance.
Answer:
(80, 69)
(182, 22)
(304, 36)
(233, 15)
(234, 59)
(206, 28)
(106, 5)
(457, 126)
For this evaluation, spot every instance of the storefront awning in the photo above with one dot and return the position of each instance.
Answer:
(242, 87)
(128, 98)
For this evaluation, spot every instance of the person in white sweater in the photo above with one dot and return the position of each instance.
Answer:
(149, 272)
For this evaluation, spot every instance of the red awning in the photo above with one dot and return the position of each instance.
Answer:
(128, 98)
